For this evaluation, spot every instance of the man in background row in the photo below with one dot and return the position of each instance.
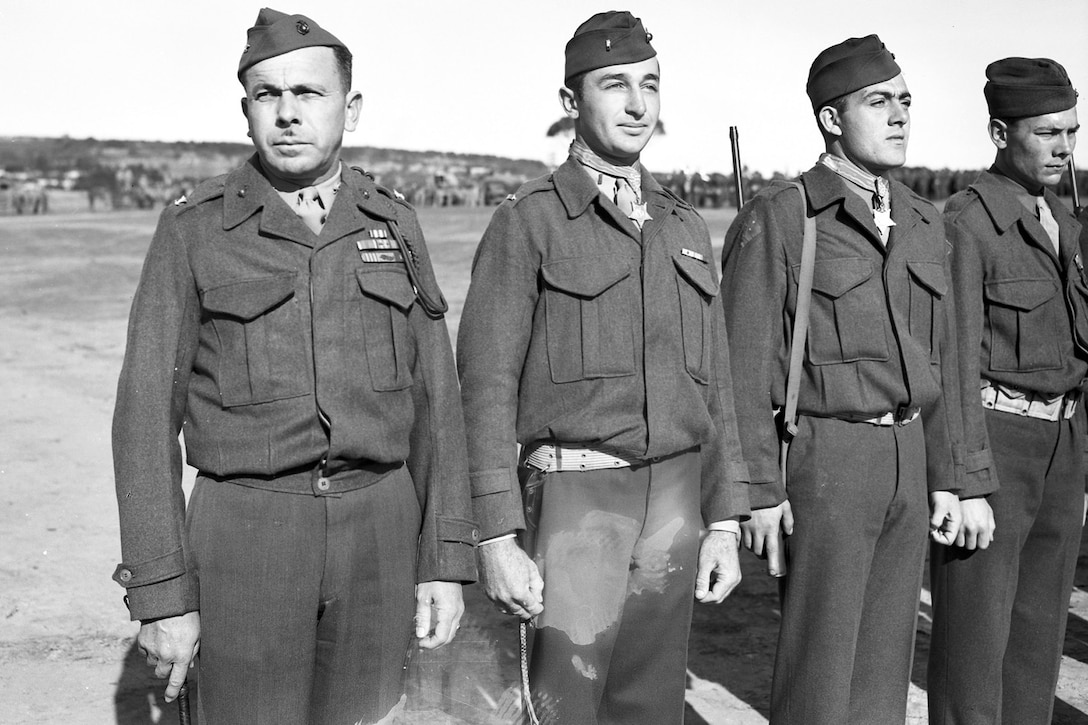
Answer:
(288, 321)
(874, 423)
(1001, 598)
(592, 336)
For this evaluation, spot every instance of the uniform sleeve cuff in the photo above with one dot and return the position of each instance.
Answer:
(730, 526)
(502, 537)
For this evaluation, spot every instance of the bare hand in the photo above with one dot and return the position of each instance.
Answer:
(717, 557)
(510, 578)
(439, 607)
(946, 518)
(977, 531)
(170, 645)
(762, 535)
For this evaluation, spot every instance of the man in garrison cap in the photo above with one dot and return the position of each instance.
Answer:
(845, 524)
(592, 337)
(288, 322)
(1001, 595)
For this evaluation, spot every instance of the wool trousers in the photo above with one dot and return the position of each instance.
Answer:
(999, 614)
(618, 552)
(306, 602)
(850, 598)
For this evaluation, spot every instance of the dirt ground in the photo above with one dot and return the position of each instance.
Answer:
(66, 645)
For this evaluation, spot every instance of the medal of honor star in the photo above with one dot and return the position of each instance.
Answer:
(592, 336)
(845, 523)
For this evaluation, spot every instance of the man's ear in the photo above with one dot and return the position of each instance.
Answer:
(245, 112)
(999, 133)
(569, 102)
(353, 110)
(828, 118)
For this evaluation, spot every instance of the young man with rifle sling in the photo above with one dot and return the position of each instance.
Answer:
(872, 425)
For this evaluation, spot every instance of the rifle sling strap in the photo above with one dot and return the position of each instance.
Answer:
(800, 329)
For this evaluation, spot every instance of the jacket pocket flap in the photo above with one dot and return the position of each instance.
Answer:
(1021, 294)
(585, 276)
(250, 298)
(835, 277)
(930, 275)
(698, 274)
(459, 530)
(393, 287)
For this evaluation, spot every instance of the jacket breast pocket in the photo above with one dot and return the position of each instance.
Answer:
(1021, 337)
(847, 313)
(263, 354)
(927, 289)
(381, 312)
(588, 318)
(1076, 290)
(697, 289)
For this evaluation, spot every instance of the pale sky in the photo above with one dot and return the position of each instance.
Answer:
(481, 76)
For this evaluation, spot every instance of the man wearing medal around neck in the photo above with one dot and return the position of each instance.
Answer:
(875, 424)
(592, 337)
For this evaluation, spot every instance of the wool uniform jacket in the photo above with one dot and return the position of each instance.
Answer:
(1021, 312)
(578, 328)
(291, 362)
(879, 322)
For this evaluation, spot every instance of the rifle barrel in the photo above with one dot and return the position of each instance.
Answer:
(1077, 208)
(738, 174)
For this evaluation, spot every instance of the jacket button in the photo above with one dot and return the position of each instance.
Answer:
(322, 484)
(125, 575)
(475, 534)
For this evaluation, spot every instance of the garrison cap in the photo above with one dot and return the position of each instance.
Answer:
(276, 33)
(611, 38)
(844, 68)
(1021, 87)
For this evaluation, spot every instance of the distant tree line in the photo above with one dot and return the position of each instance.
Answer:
(716, 190)
(141, 173)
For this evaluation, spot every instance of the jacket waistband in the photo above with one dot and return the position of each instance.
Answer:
(315, 480)
(1028, 403)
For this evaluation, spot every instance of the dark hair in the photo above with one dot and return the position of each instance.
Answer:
(577, 84)
(1009, 122)
(838, 103)
(341, 57)
(343, 64)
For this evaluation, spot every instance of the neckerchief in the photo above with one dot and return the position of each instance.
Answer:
(881, 200)
(624, 184)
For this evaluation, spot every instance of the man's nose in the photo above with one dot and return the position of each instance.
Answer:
(286, 109)
(1066, 143)
(900, 114)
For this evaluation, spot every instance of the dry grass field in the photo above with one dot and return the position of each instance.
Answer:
(66, 646)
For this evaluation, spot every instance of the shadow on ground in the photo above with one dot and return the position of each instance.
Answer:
(474, 681)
